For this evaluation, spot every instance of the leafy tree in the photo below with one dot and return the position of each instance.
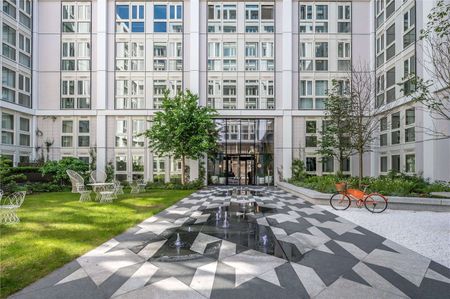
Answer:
(8, 179)
(183, 129)
(57, 169)
(335, 141)
(434, 93)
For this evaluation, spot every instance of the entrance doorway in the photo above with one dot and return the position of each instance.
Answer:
(240, 169)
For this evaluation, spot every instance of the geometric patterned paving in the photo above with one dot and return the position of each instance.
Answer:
(279, 246)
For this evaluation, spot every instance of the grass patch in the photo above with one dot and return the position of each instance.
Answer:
(56, 228)
(391, 185)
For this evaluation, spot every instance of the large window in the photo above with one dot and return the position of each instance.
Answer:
(130, 18)
(130, 56)
(167, 18)
(7, 128)
(75, 94)
(76, 17)
(130, 94)
(344, 18)
(9, 85)
(9, 42)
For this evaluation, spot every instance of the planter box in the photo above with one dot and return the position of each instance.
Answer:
(395, 202)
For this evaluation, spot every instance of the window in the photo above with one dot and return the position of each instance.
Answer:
(76, 18)
(306, 12)
(251, 12)
(409, 69)
(130, 22)
(410, 116)
(410, 163)
(395, 120)
(121, 163)
(344, 54)
(67, 128)
(383, 164)
(83, 133)
(251, 94)
(383, 124)
(130, 56)
(9, 42)
(409, 32)
(310, 164)
(138, 128)
(410, 135)
(7, 128)
(390, 42)
(311, 126)
(9, 9)
(75, 56)
(322, 12)
(390, 8)
(327, 164)
(130, 93)
(321, 49)
(121, 133)
(167, 22)
(75, 92)
(9, 85)
(395, 163)
(311, 141)
(383, 140)
(395, 137)
(24, 131)
(344, 17)
(390, 85)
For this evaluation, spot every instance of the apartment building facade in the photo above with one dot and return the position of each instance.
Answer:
(83, 79)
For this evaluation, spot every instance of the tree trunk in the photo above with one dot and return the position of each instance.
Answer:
(183, 170)
(361, 166)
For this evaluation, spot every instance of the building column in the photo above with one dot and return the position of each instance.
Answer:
(101, 89)
(149, 167)
(101, 142)
(194, 66)
(286, 91)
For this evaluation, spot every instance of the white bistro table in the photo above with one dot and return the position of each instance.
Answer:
(100, 187)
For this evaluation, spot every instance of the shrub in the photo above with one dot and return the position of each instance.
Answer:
(57, 169)
(8, 178)
(394, 184)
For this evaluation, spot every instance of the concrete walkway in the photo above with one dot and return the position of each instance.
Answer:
(427, 233)
(262, 243)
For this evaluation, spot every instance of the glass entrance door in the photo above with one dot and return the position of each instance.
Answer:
(247, 170)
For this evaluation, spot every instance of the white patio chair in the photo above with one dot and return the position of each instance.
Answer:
(85, 195)
(98, 176)
(135, 188)
(9, 207)
(75, 179)
(118, 187)
(108, 194)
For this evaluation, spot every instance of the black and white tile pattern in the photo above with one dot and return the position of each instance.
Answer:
(271, 244)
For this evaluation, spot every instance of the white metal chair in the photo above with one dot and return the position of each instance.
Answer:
(75, 179)
(108, 194)
(85, 195)
(137, 186)
(98, 176)
(118, 187)
(9, 207)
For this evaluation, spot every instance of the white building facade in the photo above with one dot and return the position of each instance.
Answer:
(83, 79)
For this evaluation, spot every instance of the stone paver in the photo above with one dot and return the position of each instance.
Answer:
(263, 243)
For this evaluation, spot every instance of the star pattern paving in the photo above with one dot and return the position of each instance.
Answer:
(258, 242)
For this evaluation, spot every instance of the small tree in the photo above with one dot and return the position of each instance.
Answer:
(183, 129)
(364, 113)
(336, 136)
(434, 93)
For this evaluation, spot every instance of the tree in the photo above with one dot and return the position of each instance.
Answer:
(336, 136)
(434, 93)
(364, 114)
(183, 129)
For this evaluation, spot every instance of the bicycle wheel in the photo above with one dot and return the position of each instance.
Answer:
(340, 201)
(375, 203)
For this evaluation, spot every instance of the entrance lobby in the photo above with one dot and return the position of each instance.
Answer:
(245, 154)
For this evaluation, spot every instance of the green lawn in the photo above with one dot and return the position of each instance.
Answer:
(56, 228)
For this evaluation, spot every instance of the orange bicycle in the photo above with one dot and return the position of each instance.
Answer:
(341, 200)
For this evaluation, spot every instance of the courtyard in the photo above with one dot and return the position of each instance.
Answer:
(251, 242)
